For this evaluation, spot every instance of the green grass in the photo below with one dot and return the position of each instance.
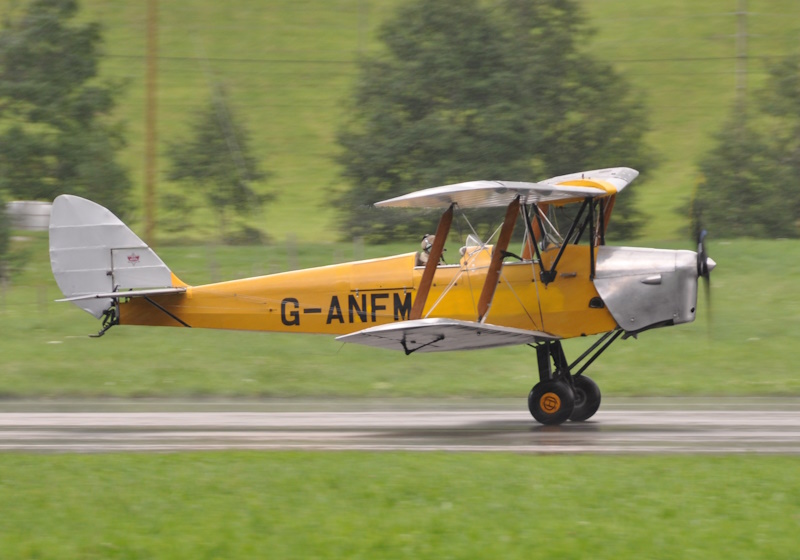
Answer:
(289, 65)
(397, 505)
(750, 348)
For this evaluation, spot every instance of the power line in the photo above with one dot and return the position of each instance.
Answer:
(229, 60)
(694, 58)
(697, 16)
(354, 62)
(665, 17)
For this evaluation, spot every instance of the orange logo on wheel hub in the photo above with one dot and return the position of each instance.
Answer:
(550, 403)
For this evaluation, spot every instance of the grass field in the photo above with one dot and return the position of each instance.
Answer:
(396, 505)
(749, 349)
(289, 65)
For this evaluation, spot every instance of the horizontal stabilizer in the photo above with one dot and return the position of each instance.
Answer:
(442, 335)
(127, 294)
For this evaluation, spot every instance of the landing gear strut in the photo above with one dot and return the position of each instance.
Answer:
(562, 395)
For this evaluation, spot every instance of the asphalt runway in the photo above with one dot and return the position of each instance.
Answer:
(669, 426)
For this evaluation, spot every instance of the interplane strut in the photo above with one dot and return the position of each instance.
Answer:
(493, 274)
(433, 261)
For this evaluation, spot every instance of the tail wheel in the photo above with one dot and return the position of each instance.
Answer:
(551, 402)
(587, 398)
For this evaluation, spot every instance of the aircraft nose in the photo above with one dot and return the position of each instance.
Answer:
(711, 263)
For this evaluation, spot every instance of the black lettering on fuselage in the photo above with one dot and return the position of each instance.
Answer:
(292, 318)
(402, 309)
(374, 304)
(359, 307)
(335, 311)
(352, 305)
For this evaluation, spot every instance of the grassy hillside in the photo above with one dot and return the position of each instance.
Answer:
(289, 64)
(682, 55)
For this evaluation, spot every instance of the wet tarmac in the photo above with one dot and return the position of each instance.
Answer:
(621, 426)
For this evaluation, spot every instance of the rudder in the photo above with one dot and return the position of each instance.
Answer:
(94, 252)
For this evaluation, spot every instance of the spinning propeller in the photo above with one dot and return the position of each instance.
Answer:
(705, 265)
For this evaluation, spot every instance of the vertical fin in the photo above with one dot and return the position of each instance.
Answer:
(92, 251)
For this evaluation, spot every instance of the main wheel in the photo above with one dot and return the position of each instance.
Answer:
(587, 398)
(551, 402)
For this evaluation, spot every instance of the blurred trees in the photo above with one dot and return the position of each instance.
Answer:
(464, 92)
(215, 162)
(748, 184)
(56, 133)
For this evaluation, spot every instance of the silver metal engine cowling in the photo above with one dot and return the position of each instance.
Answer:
(647, 288)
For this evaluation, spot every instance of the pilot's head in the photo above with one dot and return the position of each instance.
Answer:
(427, 242)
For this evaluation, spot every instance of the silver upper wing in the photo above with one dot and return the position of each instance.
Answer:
(483, 194)
(620, 177)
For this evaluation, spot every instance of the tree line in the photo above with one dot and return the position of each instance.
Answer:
(465, 90)
(58, 132)
(748, 184)
(460, 90)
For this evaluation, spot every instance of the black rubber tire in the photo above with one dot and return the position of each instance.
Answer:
(551, 402)
(587, 398)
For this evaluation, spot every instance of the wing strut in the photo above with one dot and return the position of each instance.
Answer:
(606, 217)
(548, 276)
(433, 261)
(535, 232)
(493, 274)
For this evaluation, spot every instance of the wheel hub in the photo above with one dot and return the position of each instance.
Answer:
(550, 403)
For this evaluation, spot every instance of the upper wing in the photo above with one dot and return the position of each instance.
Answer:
(441, 335)
(619, 177)
(481, 194)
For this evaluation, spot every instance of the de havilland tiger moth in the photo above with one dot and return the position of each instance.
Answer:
(565, 283)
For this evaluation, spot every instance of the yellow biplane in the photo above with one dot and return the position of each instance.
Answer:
(565, 283)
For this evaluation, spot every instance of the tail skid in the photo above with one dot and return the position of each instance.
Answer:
(96, 258)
